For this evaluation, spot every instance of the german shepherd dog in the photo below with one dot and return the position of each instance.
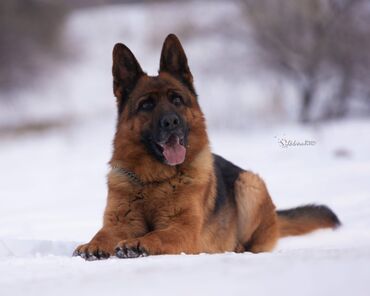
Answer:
(167, 192)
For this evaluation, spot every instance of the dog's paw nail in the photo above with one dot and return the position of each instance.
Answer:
(143, 252)
(91, 257)
(120, 253)
(103, 255)
(132, 253)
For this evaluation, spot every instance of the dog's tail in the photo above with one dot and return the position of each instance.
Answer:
(305, 219)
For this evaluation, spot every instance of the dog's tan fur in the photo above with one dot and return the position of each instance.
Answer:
(174, 210)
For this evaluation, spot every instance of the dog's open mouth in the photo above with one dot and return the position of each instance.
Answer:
(173, 150)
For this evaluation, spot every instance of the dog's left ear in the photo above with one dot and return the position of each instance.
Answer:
(174, 61)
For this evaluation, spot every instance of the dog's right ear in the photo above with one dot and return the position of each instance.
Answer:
(126, 72)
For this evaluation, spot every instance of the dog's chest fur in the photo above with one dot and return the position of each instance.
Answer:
(158, 204)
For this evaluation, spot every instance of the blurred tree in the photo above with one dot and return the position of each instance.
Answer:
(350, 54)
(29, 32)
(312, 42)
(31, 36)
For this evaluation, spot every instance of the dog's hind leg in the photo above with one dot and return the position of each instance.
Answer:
(257, 222)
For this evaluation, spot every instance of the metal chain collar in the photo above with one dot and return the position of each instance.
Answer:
(135, 179)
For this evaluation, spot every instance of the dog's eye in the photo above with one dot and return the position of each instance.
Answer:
(147, 105)
(177, 100)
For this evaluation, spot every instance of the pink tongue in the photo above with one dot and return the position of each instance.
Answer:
(174, 152)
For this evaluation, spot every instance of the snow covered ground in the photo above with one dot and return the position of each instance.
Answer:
(53, 194)
(52, 183)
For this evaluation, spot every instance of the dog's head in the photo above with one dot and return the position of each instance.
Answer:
(158, 115)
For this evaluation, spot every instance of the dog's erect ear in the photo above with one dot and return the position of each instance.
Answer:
(126, 71)
(174, 61)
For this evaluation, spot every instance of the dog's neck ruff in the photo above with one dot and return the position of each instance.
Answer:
(135, 179)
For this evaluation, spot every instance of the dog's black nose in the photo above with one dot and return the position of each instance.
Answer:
(169, 121)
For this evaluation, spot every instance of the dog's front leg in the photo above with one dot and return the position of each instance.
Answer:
(102, 245)
(175, 239)
(119, 224)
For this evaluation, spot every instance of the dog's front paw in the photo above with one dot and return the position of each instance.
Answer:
(131, 248)
(91, 252)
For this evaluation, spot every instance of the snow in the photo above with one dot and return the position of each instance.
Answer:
(53, 194)
(282, 274)
(53, 183)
